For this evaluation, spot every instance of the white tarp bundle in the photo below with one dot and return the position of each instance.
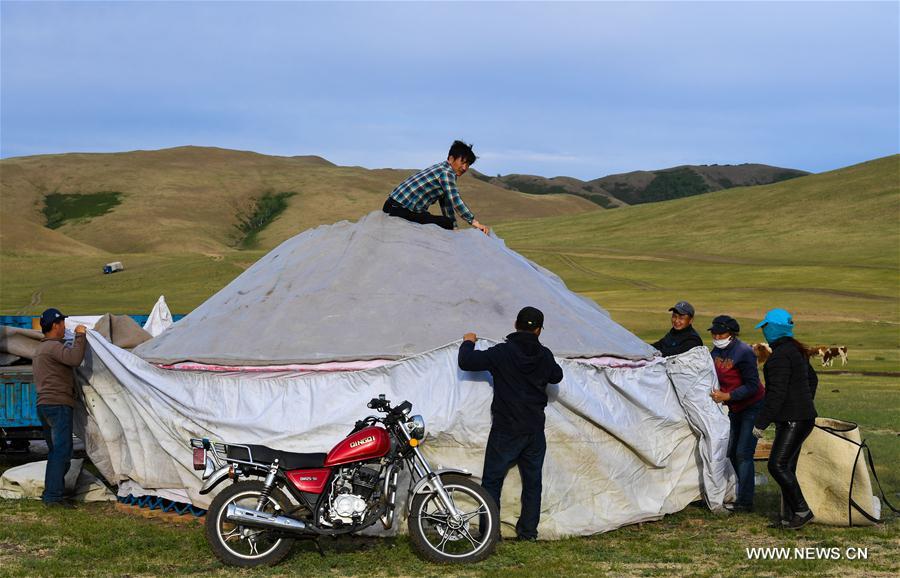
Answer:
(27, 481)
(620, 448)
(384, 288)
(694, 376)
(160, 318)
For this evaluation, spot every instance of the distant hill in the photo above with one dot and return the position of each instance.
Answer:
(845, 216)
(828, 242)
(639, 187)
(207, 200)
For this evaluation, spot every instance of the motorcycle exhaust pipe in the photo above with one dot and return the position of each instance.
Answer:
(257, 519)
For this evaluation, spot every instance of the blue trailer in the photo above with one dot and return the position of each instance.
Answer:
(19, 421)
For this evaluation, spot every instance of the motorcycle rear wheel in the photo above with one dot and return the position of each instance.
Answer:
(244, 546)
(439, 539)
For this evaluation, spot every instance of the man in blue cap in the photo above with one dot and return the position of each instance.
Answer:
(53, 366)
(682, 337)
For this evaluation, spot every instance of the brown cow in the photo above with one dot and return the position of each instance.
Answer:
(829, 354)
(762, 351)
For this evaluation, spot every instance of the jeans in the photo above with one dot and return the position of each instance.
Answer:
(741, 447)
(57, 422)
(395, 209)
(527, 450)
(789, 437)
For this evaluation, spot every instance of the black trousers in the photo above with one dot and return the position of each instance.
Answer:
(789, 436)
(395, 209)
(527, 450)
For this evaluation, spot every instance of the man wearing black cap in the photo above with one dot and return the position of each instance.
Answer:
(52, 365)
(682, 336)
(741, 390)
(521, 368)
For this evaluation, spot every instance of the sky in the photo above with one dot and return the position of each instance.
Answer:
(577, 89)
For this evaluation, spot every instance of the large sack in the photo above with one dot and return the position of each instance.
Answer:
(121, 330)
(832, 473)
(17, 342)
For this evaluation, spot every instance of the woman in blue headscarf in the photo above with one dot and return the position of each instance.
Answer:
(790, 389)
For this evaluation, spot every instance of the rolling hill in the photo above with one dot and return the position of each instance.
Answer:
(640, 187)
(824, 246)
(848, 215)
(190, 199)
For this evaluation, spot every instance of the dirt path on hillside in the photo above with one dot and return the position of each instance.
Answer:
(568, 260)
(823, 291)
(36, 299)
(863, 373)
(611, 253)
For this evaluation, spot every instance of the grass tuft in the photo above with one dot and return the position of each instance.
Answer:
(265, 210)
(60, 208)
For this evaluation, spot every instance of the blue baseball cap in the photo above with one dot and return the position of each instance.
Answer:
(776, 317)
(49, 317)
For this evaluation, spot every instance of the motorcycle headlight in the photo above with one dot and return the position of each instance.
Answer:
(416, 427)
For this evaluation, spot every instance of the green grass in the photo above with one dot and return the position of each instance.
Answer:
(77, 285)
(78, 207)
(266, 209)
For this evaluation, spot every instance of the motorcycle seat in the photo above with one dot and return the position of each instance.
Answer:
(286, 460)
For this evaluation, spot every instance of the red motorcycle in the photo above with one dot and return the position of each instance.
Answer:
(276, 496)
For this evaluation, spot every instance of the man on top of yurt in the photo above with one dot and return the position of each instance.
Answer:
(411, 198)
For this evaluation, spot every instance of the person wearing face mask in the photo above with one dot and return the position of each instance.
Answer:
(790, 390)
(682, 337)
(741, 391)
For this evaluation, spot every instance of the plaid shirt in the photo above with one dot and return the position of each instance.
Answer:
(436, 183)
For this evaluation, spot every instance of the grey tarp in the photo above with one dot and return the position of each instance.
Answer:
(619, 447)
(384, 288)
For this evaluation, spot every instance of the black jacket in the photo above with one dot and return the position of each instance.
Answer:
(521, 369)
(791, 384)
(678, 341)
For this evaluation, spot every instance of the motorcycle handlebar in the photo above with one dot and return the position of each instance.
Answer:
(382, 404)
(379, 403)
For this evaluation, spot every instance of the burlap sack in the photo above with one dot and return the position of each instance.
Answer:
(121, 330)
(17, 342)
(833, 475)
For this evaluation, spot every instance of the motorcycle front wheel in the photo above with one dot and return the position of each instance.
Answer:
(242, 545)
(440, 538)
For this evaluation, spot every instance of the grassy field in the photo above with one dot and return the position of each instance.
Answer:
(826, 247)
(97, 540)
